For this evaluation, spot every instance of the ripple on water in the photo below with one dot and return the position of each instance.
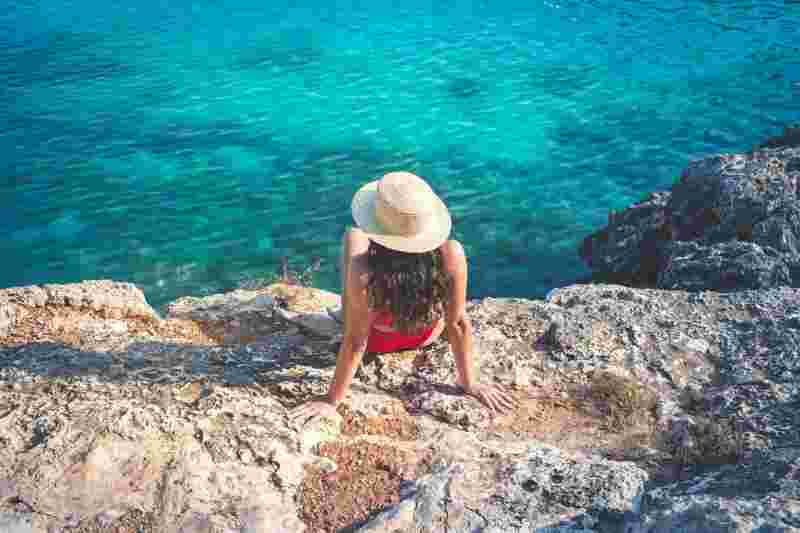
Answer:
(208, 153)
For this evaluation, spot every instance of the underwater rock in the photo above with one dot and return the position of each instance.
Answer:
(464, 87)
(288, 50)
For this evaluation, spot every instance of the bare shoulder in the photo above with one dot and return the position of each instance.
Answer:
(356, 245)
(455, 259)
(356, 236)
(358, 278)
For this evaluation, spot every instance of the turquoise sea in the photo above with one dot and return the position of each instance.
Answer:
(188, 146)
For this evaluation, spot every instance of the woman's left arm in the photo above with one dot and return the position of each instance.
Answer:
(354, 343)
(459, 328)
(459, 333)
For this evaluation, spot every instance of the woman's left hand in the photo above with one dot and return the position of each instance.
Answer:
(495, 397)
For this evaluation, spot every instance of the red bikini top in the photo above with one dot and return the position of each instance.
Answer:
(385, 318)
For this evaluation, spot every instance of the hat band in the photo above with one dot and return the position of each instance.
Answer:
(395, 222)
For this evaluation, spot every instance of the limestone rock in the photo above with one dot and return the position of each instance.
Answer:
(16, 522)
(667, 339)
(313, 434)
(318, 323)
(248, 315)
(107, 299)
(225, 306)
(111, 452)
(729, 223)
(723, 267)
(92, 313)
(139, 425)
(631, 245)
(760, 496)
(8, 316)
(112, 299)
(544, 488)
(781, 231)
(790, 137)
(302, 299)
(307, 308)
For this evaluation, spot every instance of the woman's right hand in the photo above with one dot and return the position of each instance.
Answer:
(315, 409)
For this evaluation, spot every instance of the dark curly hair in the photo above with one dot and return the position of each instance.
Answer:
(414, 288)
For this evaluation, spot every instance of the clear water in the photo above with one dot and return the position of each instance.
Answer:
(187, 148)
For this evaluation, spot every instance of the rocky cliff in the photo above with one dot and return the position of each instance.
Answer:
(731, 222)
(641, 411)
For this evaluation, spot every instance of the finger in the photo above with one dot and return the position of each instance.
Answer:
(306, 419)
(506, 401)
(303, 414)
(500, 401)
(300, 407)
(300, 421)
(298, 411)
(509, 397)
(490, 402)
(502, 405)
(506, 397)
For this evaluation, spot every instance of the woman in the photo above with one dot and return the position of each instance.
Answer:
(403, 283)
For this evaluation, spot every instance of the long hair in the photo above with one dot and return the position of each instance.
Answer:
(414, 288)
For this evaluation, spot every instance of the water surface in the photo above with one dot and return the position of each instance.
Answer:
(188, 148)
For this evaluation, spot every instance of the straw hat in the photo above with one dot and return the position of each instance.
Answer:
(400, 211)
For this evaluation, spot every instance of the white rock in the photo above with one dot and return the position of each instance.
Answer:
(318, 323)
(326, 465)
(264, 301)
(698, 345)
(318, 431)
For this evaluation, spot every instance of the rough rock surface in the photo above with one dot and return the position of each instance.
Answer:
(258, 312)
(761, 496)
(640, 410)
(731, 222)
(723, 267)
(538, 488)
(111, 300)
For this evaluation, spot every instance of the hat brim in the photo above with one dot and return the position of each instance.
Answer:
(436, 234)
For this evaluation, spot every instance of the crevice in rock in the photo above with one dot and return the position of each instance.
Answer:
(160, 498)
(23, 505)
(480, 514)
(446, 501)
(275, 477)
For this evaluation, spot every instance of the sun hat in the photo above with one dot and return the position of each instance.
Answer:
(400, 211)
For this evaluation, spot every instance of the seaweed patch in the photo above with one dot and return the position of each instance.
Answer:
(61, 56)
(288, 50)
(464, 87)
